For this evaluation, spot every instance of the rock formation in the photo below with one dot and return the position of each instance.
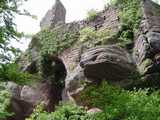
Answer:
(147, 45)
(54, 16)
(77, 64)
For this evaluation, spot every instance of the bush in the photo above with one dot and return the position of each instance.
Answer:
(130, 17)
(10, 72)
(91, 15)
(119, 104)
(116, 103)
(89, 34)
(130, 13)
(65, 111)
(4, 103)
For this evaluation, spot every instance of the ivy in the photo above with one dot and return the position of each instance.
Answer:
(54, 42)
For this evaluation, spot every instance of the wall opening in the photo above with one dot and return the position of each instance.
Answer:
(54, 72)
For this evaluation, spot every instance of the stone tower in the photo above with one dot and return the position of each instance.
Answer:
(54, 16)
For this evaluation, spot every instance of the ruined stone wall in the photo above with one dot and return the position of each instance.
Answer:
(106, 19)
(56, 15)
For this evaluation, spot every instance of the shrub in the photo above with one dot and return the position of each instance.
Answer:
(130, 17)
(130, 13)
(89, 34)
(4, 103)
(10, 72)
(91, 15)
(119, 104)
(67, 111)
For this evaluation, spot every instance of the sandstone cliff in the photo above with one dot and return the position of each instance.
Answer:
(71, 56)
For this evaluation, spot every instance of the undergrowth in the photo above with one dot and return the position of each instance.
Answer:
(119, 104)
(65, 111)
(11, 72)
(4, 102)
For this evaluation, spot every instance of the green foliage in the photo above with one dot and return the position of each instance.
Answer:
(130, 13)
(8, 31)
(119, 104)
(130, 17)
(10, 72)
(4, 102)
(86, 34)
(53, 42)
(89, 34)
(67, 111)
(116, 103)
(91, 15)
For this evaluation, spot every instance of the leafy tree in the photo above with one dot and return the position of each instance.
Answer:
(8, 31)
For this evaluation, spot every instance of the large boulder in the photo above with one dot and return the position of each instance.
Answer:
(25, 98)
(20, 108)
(14, 89)
(110, 63)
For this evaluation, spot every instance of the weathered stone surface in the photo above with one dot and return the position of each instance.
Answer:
(74, 81)
(28, 97)
(141, 49)
(147, 44)
(30, 94)
(106, 19)
(109, 62)
(85, 66)
(154, 41)
(14, 89)
(54, 16)
(21, 109)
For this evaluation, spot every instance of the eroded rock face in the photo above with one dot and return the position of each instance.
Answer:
(109, 63)
(48, 89)
(147, 45)
(54, 16)
(25, 99)
(14, 89)
(86, 64)
(74, 81)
